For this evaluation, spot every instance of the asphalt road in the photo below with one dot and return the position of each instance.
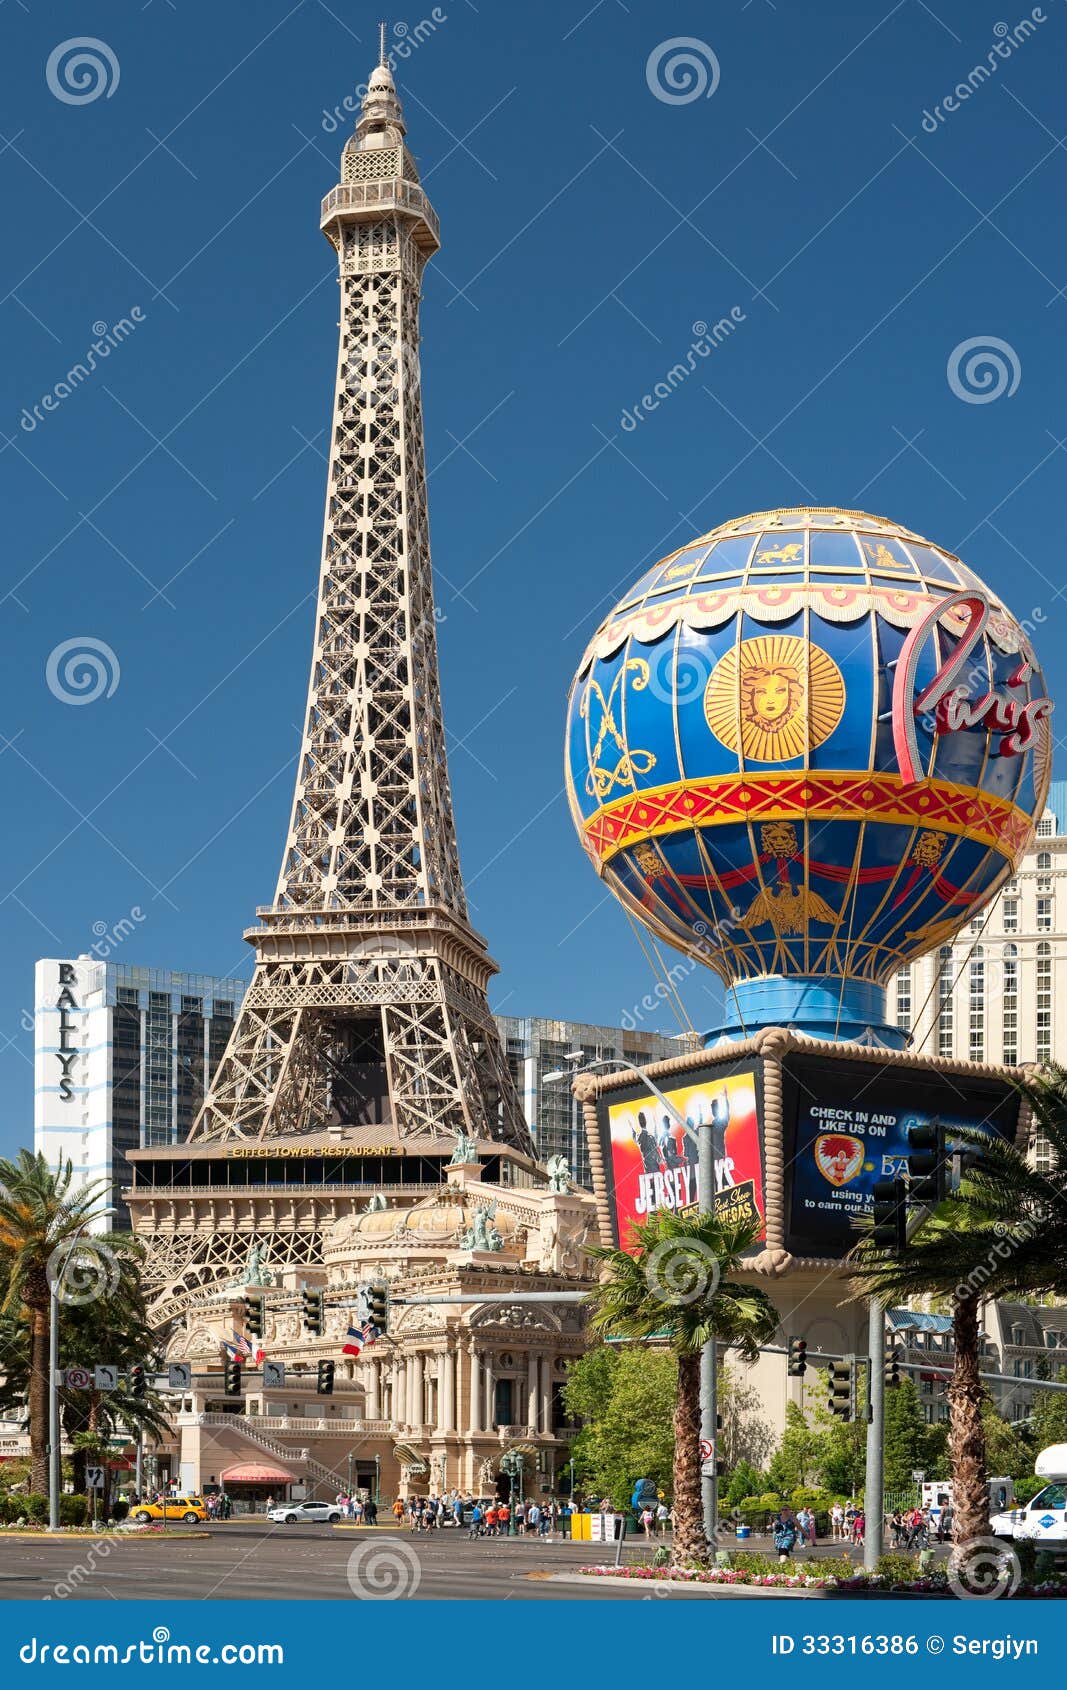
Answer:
(254, 1561)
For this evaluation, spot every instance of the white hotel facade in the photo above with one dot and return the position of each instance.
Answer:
(999, 992)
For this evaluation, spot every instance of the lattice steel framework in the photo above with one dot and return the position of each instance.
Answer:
(366, 962)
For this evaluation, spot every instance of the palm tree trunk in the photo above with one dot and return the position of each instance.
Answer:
(38, 1400)
(966, 1437)
(690, 1543)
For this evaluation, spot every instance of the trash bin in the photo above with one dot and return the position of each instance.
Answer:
(743, 1531)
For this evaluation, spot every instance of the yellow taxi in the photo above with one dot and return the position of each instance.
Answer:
(187, 1508)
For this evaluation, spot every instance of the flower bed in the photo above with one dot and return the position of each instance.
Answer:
(859, 1583)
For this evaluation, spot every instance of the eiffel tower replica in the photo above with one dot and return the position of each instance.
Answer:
(367, 1017)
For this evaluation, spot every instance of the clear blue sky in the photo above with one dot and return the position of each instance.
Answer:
(171, 506)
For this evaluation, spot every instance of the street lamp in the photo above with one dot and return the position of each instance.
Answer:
(512, 1466)
(54, 1288)
(704, 1139)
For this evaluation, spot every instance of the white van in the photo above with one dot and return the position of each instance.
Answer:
(936, 1495)
(1042, 1520)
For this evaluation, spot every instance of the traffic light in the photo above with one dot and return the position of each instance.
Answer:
(253, 1316)
(841, 1377)
(798, 1358)
(926, 1164)
(325, 1379)
(378, 1307)
(138, 1382)
(233, 1379)
(890, 1230)
(313, 1312)
(892, 1368)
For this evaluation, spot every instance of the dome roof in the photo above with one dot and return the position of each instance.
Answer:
(433, 1222)
(811, 743)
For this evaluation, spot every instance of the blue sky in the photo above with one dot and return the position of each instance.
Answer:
(171, 506)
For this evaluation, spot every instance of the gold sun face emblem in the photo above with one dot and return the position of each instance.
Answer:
(774, 697)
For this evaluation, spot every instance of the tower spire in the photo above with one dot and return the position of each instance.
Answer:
(367, 1017)
(381, 43)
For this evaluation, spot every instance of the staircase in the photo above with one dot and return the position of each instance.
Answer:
(282, 1452)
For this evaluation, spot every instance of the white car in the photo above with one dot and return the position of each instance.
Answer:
(294, 1513)
(1042, 1521)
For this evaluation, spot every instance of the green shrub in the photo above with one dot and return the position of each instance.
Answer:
(770, 1499)
(900, 1569)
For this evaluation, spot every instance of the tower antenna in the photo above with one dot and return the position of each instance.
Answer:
(381, 42)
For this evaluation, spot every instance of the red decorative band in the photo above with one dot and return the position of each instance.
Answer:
(801, 795)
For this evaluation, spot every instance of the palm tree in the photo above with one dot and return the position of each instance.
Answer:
(40, 1215)
(999, 1234)
(674, 1285)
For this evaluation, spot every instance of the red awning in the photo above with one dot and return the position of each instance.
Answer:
(256, 1473)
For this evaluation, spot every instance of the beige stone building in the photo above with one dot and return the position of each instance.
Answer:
(434, 1404)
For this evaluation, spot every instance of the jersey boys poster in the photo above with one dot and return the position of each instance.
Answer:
(653, 1161)
(850, 1129)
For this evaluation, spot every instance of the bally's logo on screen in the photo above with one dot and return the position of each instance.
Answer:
(838, 1157)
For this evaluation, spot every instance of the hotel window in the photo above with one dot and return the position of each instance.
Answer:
(904, 1000)
(1044, 915)
(976, 1044)
(1044, 859)
(1010, 1004)
(1011, 915)
(944, 1002)
(1044, 1002)
(1046, 827)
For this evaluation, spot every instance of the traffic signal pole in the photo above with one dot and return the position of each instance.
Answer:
(709, 1419)
(874, 1482)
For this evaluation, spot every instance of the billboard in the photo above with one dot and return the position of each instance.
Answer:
(651, 1161)
(846, 1126)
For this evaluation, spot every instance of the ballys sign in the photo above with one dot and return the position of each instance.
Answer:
(1007, 713)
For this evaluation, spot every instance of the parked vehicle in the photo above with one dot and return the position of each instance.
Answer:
(297, 1513)
(937, 1495)
(1042, 1520)
(188, 1508)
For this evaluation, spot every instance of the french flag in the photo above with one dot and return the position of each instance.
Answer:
(353, 1344)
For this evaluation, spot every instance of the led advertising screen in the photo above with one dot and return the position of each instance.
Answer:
(651, 1161)
(846, 1126)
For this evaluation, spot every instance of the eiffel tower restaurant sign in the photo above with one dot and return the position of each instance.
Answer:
(805, 749)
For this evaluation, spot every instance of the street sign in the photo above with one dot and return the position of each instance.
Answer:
(179, 1376)
(919, 1474)
(273, 1375)
(707, 1449)
(105, 1378)
(78, 1379)
(94, 1478)
(707, 1469)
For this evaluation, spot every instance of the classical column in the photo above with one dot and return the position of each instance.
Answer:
(474, 1412)
(440, 1424)
(374, 1392)
(448, 1412)
(490, 1391)
(417, 1406)
(400, 1391)
(547, 1364)
(532, 1405)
